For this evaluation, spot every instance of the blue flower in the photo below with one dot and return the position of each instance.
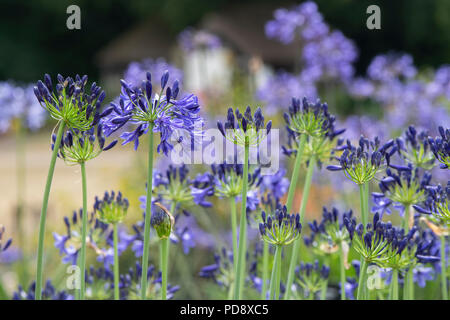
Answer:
(422, 274)
(177, 121)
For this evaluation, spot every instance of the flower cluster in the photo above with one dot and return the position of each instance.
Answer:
(360, 164)
(415, 149)
(70, 102)
(245, 129)
(281, 229)
(19, 102)
(190, 40)
(221, 271)
(80, 146)
(441, 147)
(437, 204)
(175, 120)
(49, 292)
(112, 208)
(311, 276)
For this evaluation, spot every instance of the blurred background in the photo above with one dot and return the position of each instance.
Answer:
(229, 53)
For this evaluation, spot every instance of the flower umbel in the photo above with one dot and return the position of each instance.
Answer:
(112, 208)
(280, 229)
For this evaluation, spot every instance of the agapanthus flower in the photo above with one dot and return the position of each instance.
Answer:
(100, 283)
(221, 272)
(415, 148)
(17, 102)
(162, 221)
(422, 274)
(350, 286)
(280, 228)
(385, 68)
(77, 147)
(191, 39)
(99, 239)
(304, 21)
(7, 244)
(360, 164)
(136, 71)
(329, 233)
(111, 208)
(404, 188)
(311, 276)
(278, 90)
(70, 102)
(276, 184)
(441, 147)
(175, 186)
(436, 204)
(49, 292)
(245, 129)
(177, 121)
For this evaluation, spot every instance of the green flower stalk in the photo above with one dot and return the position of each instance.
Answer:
(280, 230)
(311, 135)
(245, 130)
(163, 222)
(113, 209)
(71, 106)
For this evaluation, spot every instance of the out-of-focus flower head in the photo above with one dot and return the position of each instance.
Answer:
(70, 101)
(245, 129)
(389, 67)
(177, 120)
(311, 276)
(360, 164)
(415, 149)
(49, 292)
(221, 271)
(437, 206)
(191, 39)
(281, 228)
(17, 102)
(136, 71)
(112, 208)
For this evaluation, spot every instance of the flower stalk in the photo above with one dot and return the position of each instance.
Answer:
(234, 229)
(148, 213)
(296, 247)
(43, 217)
(443, 270)
(265, 272)
(116, 263)
(275, 278)
(82, 260)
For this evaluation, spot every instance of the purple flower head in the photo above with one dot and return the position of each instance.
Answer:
(49, 292)
(440, 146)
(191, 39)
(176, 120)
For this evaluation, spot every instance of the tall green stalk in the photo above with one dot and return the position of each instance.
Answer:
(234, 229)
(364, 199)
(82, 258)
(164, 262)
(342, 271)
(296, 247)
(240, 268)
(275, 278)
(265, 272)
(148, 213)
(362, 281)
(116, 264)
(394, 285)
(40, 253)
(408, 284)
(295, 173)
(443, 270)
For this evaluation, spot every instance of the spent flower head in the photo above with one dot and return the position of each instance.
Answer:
(70, 101)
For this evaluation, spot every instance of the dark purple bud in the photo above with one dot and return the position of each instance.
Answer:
(110, 146)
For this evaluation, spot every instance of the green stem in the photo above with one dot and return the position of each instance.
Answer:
(234, 230)
(323, 290)
(443, 270)
(116, 263)
(364, 199)
(342, 273)
(408, 285)
(164, 262)
(296, 247)
(40, 253)
(240, 268)
(82, 258)
(295, 173)
(361, 282)
(148, 213)
(274, 279)
(394, 284)
(265, 273)
(278, 279)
